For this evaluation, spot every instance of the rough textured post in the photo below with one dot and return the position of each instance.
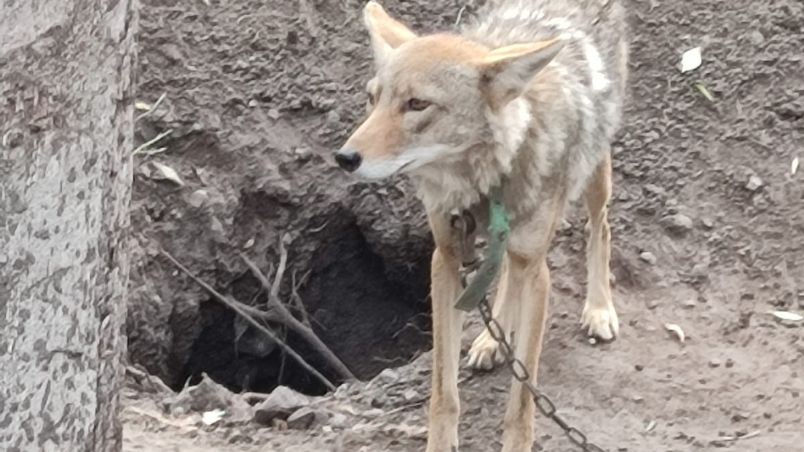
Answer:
(65, 179)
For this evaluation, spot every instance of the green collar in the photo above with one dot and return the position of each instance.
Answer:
(499, 230)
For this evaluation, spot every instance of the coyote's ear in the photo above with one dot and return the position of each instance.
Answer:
(386, 32)
(507, 71)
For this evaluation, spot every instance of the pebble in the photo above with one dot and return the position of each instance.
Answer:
(678, 224)
(654, 190)
(387, 376)
(689, 303)
(648, 257)
(708, 223)
(737, 417)
(410, 395)
(280, 404)
(713, 363)
(754, 183)
(338, 420)
(302, 419)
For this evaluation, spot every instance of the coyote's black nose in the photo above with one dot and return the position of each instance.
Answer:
(348, 159)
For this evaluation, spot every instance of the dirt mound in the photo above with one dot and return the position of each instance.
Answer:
(249, 101)
(707, 227)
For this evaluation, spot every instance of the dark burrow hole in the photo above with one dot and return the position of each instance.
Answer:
(369, 320)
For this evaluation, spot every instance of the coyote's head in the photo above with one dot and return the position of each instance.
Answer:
(434, 97)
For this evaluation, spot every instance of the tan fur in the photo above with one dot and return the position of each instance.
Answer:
(599, 316)
(461, 115)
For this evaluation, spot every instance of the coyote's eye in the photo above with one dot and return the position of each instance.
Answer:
(416, 105)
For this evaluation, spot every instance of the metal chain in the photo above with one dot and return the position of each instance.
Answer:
(521, 374)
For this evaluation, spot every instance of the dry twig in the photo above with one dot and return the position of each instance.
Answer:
(296, 299)
(249, 314)
(281, 313)
(153, 107)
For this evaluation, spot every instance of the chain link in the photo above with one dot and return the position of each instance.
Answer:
(521, 374)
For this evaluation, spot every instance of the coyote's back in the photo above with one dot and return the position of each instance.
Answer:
(590, 71)
(595, 30)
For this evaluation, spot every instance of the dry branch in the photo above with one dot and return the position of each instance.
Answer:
(249, 314)
(296, 301)
(282, 314)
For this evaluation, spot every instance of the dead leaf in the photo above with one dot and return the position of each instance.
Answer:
(143, 148)
(139, 105)
(212, 417)
(794, 167)
(705, 91)
(690, 60)
(675, 329)
(787, 316)
(164, 172)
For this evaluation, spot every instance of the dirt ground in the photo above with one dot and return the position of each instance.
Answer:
(294, 71)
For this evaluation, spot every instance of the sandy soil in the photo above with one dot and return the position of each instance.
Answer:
(737, 381)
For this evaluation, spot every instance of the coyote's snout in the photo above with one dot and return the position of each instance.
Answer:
(526, 99)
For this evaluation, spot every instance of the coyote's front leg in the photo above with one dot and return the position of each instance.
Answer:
(447, 324)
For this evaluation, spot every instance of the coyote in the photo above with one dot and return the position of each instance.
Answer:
(528, 98)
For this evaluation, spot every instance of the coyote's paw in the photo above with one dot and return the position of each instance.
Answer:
(601, 323)
(485, 352)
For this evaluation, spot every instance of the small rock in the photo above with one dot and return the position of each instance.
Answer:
(639, 367)
(737, 417)
(689, 303)
(756, 37)
(338, 420)
(387, 376)
(648, 257)
(333, 117)
(198, 198)
(708, 223)
(303, 152)
(279, 405)
(208, 396)
(342, 391)
(302, 419)
(638, 399)
(754, 183)
(410, 395)
(713, 363)
(678, 224)
(729, 363)
(279, 424)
